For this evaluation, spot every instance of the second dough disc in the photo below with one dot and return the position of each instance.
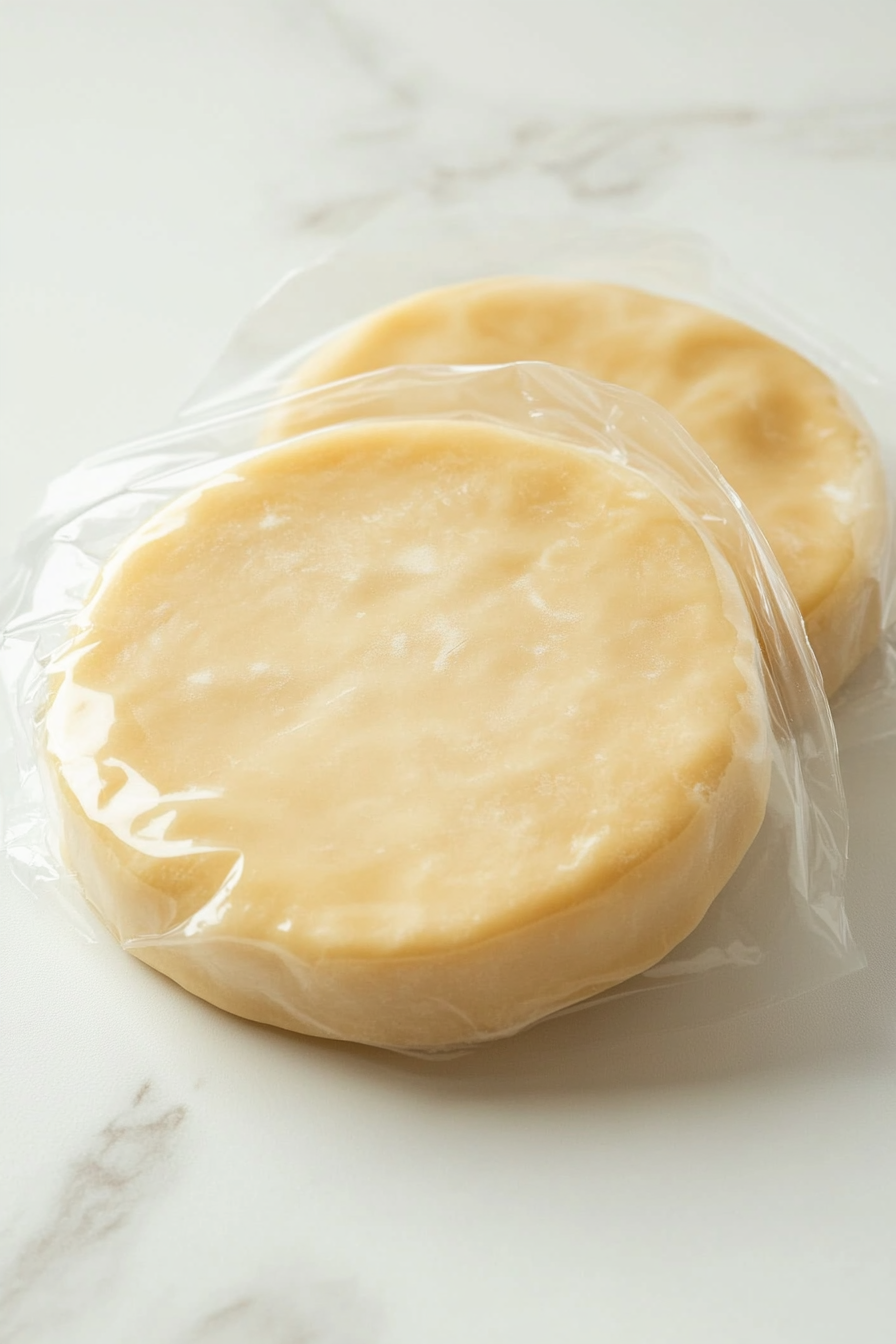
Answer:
(775, 425)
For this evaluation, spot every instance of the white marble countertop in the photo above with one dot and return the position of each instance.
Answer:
(171, 1174)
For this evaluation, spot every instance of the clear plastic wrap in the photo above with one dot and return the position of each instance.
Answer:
(777, 927)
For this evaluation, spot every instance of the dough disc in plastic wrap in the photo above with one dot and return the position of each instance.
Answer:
(775, 425)
(410, 733)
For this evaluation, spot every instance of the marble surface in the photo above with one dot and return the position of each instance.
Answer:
(169, 1174)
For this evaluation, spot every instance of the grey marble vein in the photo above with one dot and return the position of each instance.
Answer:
(401, 128)
(343, 214)
(329, 1313)
(859, 132)
(602, 156)
(587, 159)
(96, 1200)
(366, 51)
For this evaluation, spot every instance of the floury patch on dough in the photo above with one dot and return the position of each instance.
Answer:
(774, 424)
(410, 804)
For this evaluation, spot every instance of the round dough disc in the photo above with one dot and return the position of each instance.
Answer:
(774, 424)
(410, 733)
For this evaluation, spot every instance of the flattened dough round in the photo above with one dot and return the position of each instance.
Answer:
(410, 733)
(774, 424)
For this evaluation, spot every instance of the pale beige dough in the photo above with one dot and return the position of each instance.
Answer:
(774, 424)
(410, 733)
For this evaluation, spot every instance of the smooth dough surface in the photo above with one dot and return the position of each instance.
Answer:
(774, 424)
(410, 733)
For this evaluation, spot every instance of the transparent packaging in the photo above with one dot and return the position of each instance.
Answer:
(778, 926)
